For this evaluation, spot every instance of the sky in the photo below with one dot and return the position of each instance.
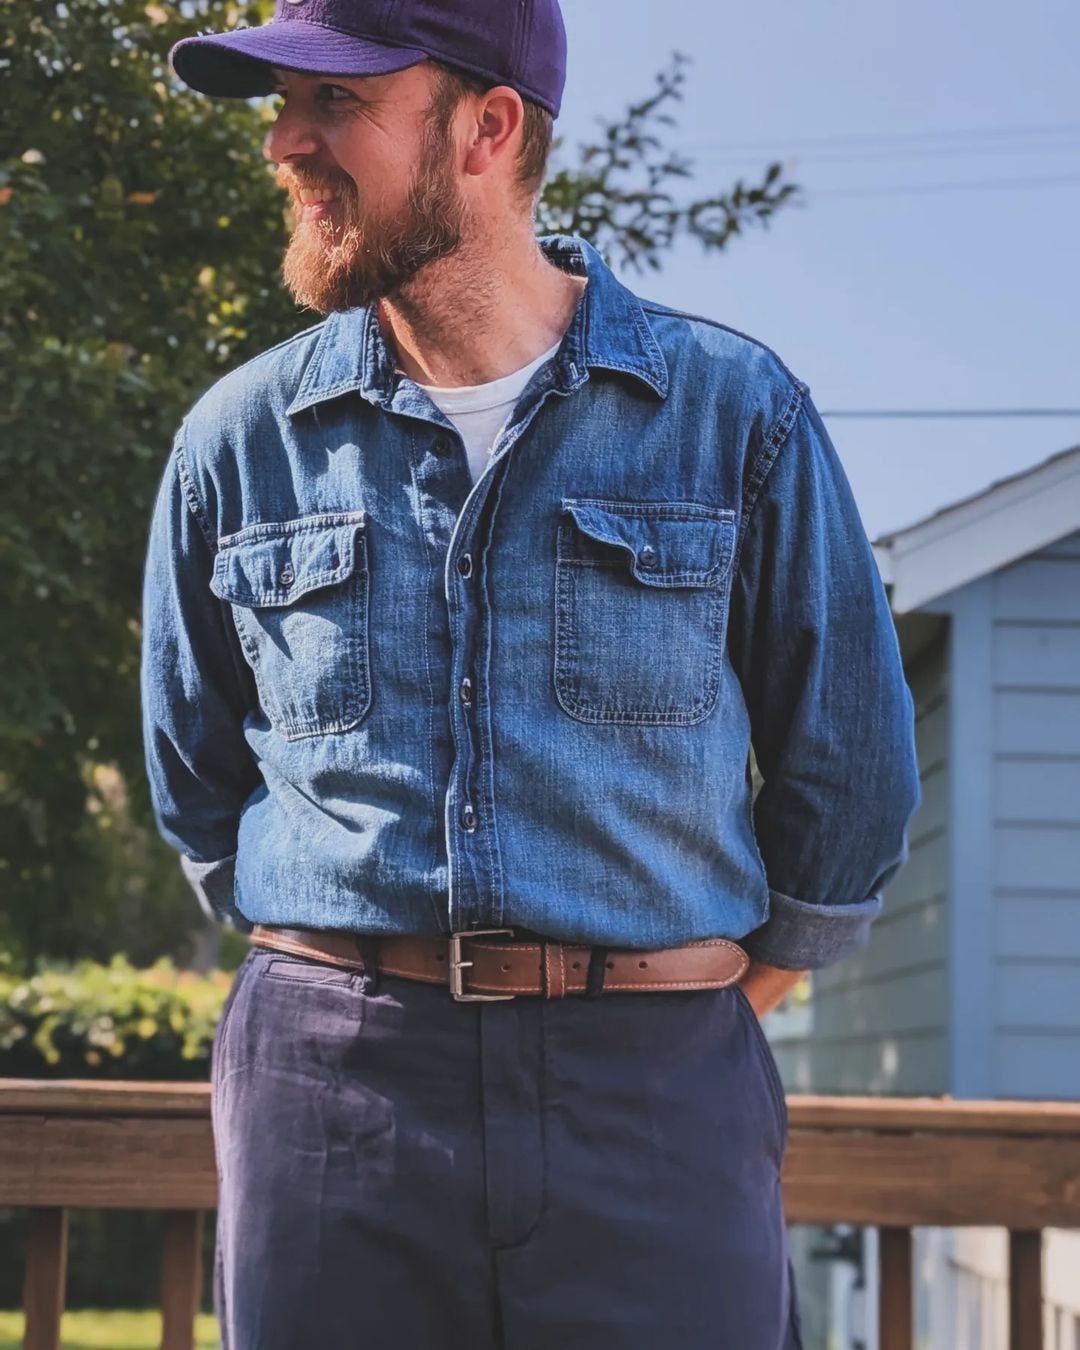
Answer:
(883, 291)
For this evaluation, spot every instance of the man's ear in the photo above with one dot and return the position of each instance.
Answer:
(498, 116)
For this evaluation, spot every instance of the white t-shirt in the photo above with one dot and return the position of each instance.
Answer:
(481, 411)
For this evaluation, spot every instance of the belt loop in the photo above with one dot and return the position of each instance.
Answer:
(368, 947)
(553, 965)
(594, 982)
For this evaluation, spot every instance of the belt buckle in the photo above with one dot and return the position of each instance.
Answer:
(457, 966)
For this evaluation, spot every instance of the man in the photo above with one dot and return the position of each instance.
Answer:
(461, 612)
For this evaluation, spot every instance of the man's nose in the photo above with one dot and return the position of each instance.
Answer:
(289, 138)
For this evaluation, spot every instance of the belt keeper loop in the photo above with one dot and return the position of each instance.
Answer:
(368, 947)
(594, 981)
(553, 968)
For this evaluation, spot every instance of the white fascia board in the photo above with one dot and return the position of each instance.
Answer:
(978, 536)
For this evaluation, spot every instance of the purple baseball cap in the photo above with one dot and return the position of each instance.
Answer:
(520, 43)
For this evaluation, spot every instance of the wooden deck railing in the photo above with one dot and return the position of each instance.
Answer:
(890, 1163)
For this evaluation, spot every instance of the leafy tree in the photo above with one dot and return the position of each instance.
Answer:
(140, 240)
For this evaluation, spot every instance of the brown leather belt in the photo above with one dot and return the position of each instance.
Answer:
(496, 964)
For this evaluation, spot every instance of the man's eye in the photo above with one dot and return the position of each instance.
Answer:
(327, 90)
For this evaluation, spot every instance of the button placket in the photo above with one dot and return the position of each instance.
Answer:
(462, 906)
(468, 819)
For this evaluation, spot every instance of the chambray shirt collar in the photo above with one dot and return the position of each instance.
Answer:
(609, 330)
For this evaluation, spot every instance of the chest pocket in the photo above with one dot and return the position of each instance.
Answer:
(299, 596)
(641, 601)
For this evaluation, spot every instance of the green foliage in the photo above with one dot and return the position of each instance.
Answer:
(140, 231)
(141, 235)
(89, 1020)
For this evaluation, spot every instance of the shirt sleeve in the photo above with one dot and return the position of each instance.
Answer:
(194, 695)
(813, 642)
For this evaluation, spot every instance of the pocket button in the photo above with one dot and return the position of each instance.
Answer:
(647, 556)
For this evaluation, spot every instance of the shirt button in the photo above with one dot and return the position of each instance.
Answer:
(287, 575)
(647, 556)
(442, 445)
(465, 689)
(464, 564)
(468, 818)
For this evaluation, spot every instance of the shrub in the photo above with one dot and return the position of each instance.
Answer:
(90, 1020)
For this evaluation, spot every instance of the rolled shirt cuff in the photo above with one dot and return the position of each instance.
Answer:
(802, 936)
(213, 884)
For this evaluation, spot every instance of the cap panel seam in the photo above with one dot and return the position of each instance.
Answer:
(390, 12)
(520, 56)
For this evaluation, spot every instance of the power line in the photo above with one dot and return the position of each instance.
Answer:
(880, 153)
(959, 185)
(955, 412)
(890, 138)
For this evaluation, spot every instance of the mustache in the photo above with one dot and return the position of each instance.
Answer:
(294, 181)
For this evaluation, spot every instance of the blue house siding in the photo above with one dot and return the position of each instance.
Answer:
(971, 982)
(878, 1022)
(1036, 824)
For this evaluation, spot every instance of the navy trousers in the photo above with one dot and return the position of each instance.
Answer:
(399, 1170)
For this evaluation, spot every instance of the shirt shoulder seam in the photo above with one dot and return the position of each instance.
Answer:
(191, 493)
(775, 440)
(767, 457)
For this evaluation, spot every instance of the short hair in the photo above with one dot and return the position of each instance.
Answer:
(452, 84)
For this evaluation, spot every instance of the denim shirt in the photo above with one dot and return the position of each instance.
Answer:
(379, 697)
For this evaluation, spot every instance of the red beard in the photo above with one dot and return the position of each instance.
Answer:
(347, 259)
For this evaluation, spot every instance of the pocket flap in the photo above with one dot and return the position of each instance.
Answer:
(666, 543)
(277, 563)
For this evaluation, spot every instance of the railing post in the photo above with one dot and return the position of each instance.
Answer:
(894, 1290)
(181, 1278)
(1025, 1289)
(46, 1276)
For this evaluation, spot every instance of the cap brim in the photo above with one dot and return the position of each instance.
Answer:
(239, 64)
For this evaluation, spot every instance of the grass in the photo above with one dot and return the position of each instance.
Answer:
(97, 1329)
